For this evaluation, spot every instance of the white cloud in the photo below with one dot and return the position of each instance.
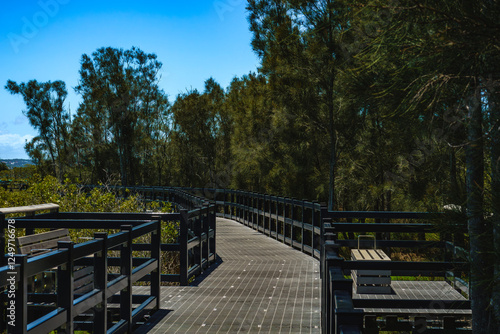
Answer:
(12, 146)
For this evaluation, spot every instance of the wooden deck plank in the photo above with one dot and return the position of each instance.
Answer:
(423, 290)
(259, 286)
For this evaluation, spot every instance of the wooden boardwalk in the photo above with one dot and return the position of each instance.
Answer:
(259, 286)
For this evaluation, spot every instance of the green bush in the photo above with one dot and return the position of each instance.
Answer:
(71, 198)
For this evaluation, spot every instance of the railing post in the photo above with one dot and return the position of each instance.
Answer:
(65, 286)
(101, 283)
(252, 207)
(20, 298)
(213, 226)
(126, 270)
(274, 204)
(183, 242)
(323, 213)
(347, 318)
(314, 222)
(258, 213)
(326, 306)
(231, 204)
(287, 227)
(247, 209)
(303, 226)
(235, 205)
(328, 302)
(290, 211)
(224, 197)
(255, 202)
(156, 274)
(198, 229)
(206, 230)
(238, 207)
(243, 199)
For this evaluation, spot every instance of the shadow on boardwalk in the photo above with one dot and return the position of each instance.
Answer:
(258, 285)
(198, 280)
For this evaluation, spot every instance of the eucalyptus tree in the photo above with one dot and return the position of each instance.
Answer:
(121, 101)
(47, 114)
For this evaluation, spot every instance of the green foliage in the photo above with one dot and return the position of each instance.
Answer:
(46, 113)
(69, 197)
(21, 174)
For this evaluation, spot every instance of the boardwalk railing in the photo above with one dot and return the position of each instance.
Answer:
(343, 313)
(140, 250)
(42, 313)
(326, 235)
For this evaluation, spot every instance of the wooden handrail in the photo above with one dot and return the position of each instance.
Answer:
(30, 208)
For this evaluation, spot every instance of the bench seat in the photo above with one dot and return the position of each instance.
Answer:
(40, 243)
(371, 281)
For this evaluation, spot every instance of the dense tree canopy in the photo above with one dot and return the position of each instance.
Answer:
(121, 113)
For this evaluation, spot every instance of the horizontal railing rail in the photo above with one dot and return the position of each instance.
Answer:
(30, 210)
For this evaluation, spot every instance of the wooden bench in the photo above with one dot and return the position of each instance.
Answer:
(40, 243)
(371, 281)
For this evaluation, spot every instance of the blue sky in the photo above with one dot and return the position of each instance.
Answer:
(44, 40)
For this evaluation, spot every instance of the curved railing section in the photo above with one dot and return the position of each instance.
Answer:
(137, 261)
(329, 236)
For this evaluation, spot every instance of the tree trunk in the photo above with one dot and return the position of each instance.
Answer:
(495, 207)
(333, 157)
(123, 167)
(51, 153)
(480, 279)
(454, 190)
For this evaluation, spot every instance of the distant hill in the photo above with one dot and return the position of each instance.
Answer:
(11, 163)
